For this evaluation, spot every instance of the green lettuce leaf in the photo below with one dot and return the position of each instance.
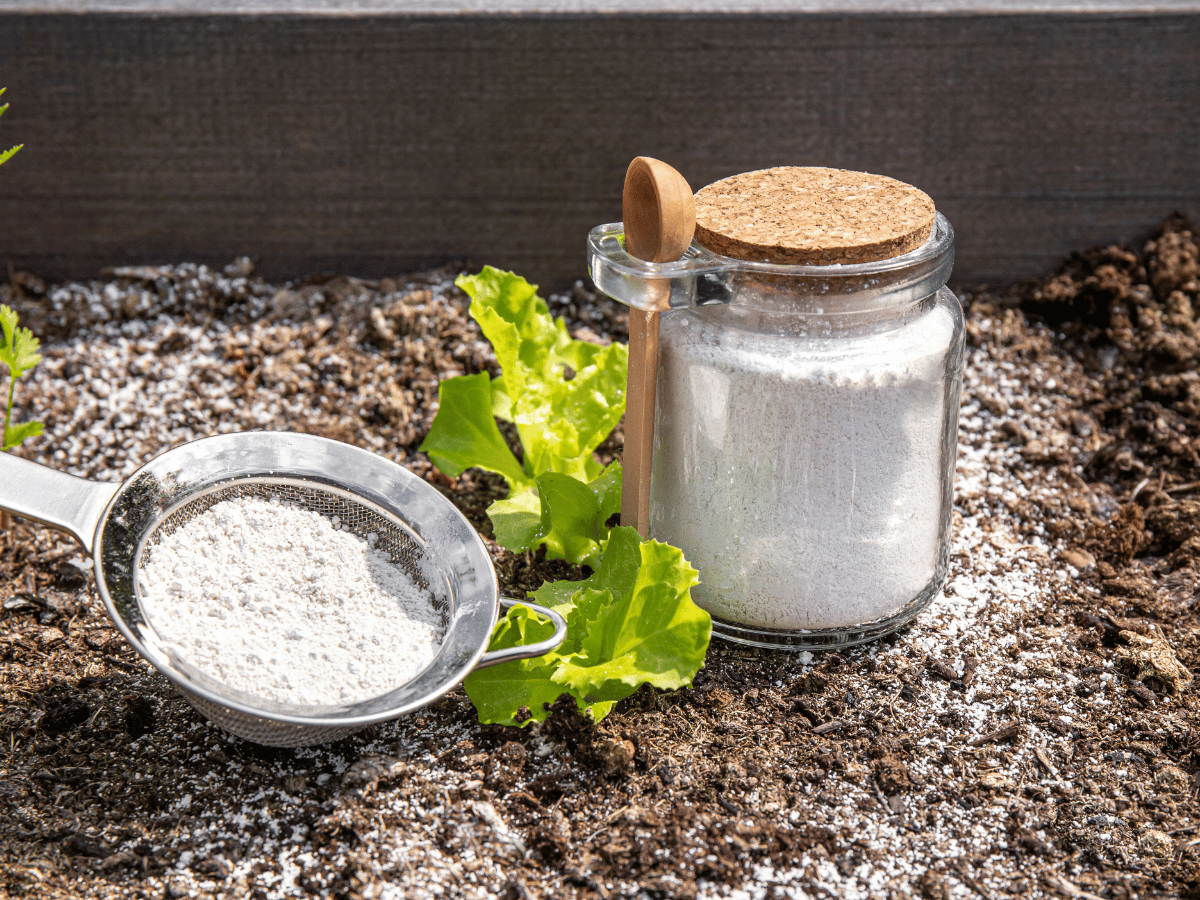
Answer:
(638, 624)
(563, 421)
(464, 432)
(562, 512)
(565, 396)
(574, 514)
(632, 623)
(500, 691)
(517, 520)
(524, 336)
(501, 402)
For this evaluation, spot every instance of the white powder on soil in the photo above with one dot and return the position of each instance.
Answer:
(276, 601)
(806, 478)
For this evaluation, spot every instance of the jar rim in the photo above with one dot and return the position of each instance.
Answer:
(703, 277)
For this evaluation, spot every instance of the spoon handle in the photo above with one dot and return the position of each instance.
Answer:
(639, 419)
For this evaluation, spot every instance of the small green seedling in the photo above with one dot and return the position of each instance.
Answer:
(6, 155)
(18, 351)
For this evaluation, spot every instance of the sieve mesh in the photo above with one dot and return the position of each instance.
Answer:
(350, 513)
(342, 509)
(361, 519)
(265, 731)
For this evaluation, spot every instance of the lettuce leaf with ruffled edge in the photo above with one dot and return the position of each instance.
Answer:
(631, 623)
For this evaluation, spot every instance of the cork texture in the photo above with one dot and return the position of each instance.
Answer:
(812, 216)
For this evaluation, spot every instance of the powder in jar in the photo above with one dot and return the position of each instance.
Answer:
(276, 601)
(806, 477)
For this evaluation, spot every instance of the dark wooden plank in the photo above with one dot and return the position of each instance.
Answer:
(371, 144)
(343, 8)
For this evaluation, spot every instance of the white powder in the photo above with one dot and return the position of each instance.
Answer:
(803, 475)
(275, 601)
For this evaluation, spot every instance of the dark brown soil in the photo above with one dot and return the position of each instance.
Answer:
(1034, 733)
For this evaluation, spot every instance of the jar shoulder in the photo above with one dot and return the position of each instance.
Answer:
(726, 337)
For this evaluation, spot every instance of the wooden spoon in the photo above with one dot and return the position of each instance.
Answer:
(659, 214)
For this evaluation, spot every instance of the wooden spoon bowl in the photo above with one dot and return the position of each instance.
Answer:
(659, 211)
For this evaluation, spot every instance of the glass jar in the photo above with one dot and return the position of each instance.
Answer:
(805, 433)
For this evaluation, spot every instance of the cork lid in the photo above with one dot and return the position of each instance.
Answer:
(812, 216)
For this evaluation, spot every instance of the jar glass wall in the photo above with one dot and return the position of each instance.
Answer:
(804, 463)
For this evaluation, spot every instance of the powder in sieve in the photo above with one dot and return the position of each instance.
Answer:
(276, 601)
(805, 477)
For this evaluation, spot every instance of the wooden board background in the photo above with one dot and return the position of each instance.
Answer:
(372, 143)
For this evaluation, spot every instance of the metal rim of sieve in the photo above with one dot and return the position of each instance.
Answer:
(114, 522)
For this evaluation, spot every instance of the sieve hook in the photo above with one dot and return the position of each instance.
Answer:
(495, 657)
(54, 498)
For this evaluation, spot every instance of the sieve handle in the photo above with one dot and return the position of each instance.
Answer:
(495, 657)
(54, 498)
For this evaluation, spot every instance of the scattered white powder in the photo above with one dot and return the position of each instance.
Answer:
(993, 551)
(276, 601)
(805, 477)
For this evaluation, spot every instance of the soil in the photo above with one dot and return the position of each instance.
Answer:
(1033, 733)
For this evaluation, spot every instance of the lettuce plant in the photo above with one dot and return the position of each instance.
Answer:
(564, 396)
(633, 621)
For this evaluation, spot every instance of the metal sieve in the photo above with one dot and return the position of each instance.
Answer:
(419, 528)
